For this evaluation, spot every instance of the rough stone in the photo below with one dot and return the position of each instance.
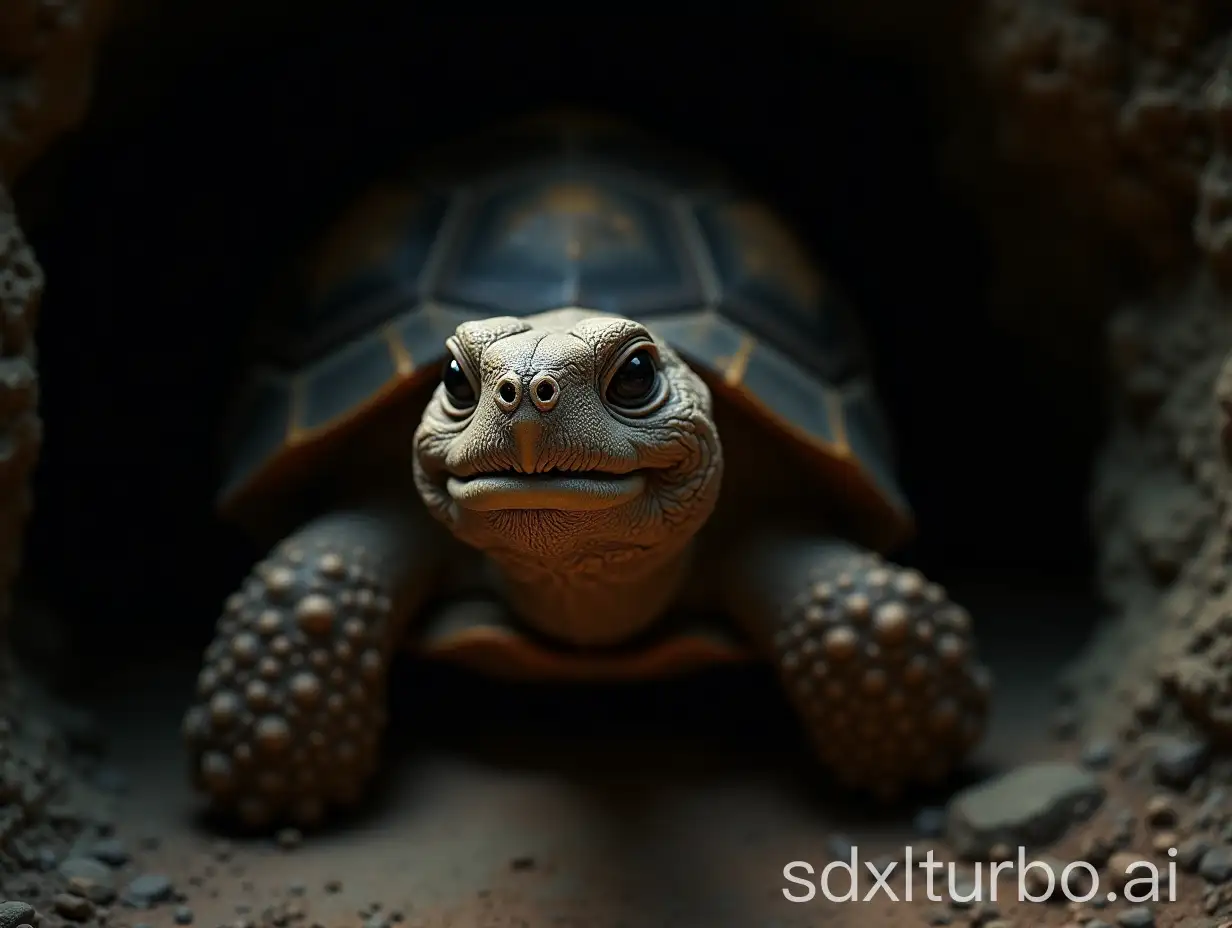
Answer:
(148, 889)
(1137, 917)
(1030, 806)
(1178, 760)
(1216, 865)
(87, 868)
(13, 914)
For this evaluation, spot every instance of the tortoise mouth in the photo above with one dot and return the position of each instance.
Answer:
(569, 491)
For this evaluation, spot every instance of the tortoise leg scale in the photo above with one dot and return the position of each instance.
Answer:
(290, 702)
(877, 661)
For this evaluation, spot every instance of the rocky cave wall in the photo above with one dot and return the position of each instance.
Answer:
(1116, 120)
(1094, 139)
(46, 50)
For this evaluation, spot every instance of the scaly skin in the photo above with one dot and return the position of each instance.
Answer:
(581, 456)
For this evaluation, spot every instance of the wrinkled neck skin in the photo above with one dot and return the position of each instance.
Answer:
(599, 602)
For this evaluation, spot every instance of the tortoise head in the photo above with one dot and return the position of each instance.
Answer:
(572, 437)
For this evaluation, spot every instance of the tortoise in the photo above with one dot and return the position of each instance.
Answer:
(587, 377)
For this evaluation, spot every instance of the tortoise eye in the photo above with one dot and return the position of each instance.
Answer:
(635, 381)
(457, 385)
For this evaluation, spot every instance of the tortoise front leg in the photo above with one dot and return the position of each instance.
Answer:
(876, 659)
(291, 699)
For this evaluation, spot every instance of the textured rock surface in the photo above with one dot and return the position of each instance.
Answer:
(46, 58)
(1123, 114)
(1027, 807)
(1125, 105)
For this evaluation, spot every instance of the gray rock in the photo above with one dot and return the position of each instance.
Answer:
(1211, 809)
(1097, 754)
(110, 851)
(183, 915)
(1137, 917)
(1189, 853)
(1029, 806)
(88, 869)
(148, 889)
(13, 914)
(1216, 866)
(1178, 760)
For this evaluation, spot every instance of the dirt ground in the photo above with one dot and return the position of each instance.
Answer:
(665, 805)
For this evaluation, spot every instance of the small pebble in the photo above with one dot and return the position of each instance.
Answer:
(290, 838)
(72, 907)
(88, 869)
(98, 893)
(1160, 811)
(937, 917)
(522, 863)
(1178, 760)
(1189, 853)
(148, 889)
(1097, 754)
(1119, 868)
(1164, 841)
(1208, 812)
(110, 851)
(1216, 865)
(183, 915)
(1137, 917)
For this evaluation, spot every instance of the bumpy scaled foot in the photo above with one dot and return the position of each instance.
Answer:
(881, 666)
(291, 700)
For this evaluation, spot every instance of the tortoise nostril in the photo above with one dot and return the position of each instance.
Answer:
(509, 393)
(544, 391)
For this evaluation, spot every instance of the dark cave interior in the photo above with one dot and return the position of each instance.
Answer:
(205, 167)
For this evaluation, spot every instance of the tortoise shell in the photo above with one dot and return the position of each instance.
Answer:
(564, 214)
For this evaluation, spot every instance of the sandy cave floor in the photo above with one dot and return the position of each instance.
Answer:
(666, 805)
